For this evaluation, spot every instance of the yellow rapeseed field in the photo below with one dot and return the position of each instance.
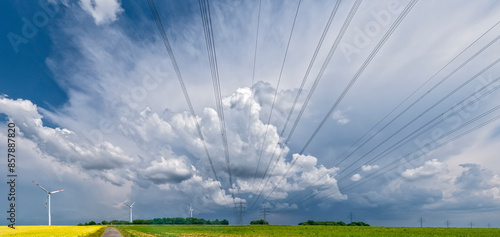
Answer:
(46, 231)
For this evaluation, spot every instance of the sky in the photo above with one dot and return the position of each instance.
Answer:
(397, 118)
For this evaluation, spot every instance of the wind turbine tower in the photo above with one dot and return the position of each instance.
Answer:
(48, 198)
(130, 209)
(191, 210)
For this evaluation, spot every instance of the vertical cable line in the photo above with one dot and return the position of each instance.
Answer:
(166, 42)
(348, 87)
(212, 57)
(253, 75)
(320, 74)
(417, 100)
(276, 91)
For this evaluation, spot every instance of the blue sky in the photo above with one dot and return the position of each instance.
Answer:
(101, 113)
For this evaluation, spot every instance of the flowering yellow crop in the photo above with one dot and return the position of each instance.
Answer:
(46, 231)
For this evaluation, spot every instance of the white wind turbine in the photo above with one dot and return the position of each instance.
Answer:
(130, 208)
(191, 210)
(48, 198)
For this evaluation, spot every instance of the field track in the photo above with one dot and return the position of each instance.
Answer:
(111, 232)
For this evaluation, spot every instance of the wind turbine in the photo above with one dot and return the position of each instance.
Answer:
(191, 210)
(48, 198)
(130, 208)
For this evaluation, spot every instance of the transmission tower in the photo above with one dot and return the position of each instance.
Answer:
(265, 212)
(351, 216)
(240, 207)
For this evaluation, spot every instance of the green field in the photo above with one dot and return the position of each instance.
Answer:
(173, 230)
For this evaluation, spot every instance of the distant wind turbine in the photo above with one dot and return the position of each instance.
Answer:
(130, 208)
(48, 198)
(191, 210)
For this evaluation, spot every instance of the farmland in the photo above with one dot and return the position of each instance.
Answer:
(175, 230)
(46, 231)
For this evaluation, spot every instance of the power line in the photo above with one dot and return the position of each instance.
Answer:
(253, 75)
(351, 83)
(418, 132)
(414, 155)
(422, 96)
(264, 212)
(240, 207)
(385, 168)
(212, 56)
(342, 31)
(444, 79)
(351, 216)
(276, 91)
(166, 42)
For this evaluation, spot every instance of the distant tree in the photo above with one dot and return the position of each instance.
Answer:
(179, 221)
(141, 222)
(332, 223)
(224, 222)
(119, 222)
(259, 222)
(80, 224)
(357, 224)
(92, 223)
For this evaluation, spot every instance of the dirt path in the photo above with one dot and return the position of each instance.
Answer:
(111, 232)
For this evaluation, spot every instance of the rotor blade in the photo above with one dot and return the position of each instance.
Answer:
(40, 186)
(132, 204)
(127, 205)
(57, 191)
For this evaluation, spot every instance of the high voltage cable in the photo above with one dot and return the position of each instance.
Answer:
(379, 172)
(423, 113)
(420, 115)
(442, 144)
(425, 94)
(327, 60)
(406, 99)
(416, 133)
(413, 135)
(276, 91)
(351, 83)
(212, 56)
(416, 101)
(253, 74)
(166, 42)
(313, 59)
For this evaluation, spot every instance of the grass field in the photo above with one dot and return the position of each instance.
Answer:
(140, 231)
(46, 231)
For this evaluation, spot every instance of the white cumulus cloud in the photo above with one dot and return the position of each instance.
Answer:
(103, 11)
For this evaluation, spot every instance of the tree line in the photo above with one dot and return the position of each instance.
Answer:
(162, 221)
